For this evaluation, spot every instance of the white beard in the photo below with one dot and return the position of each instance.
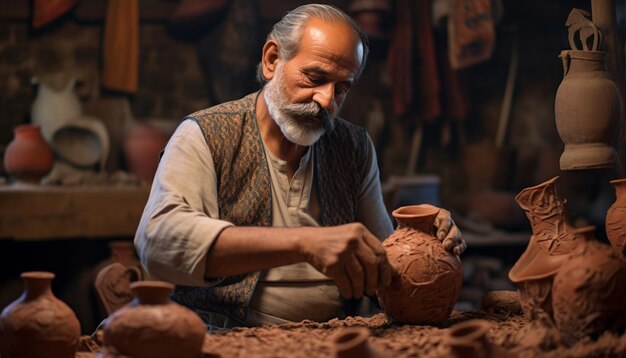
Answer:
(298, 122)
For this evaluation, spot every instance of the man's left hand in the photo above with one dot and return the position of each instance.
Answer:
(448, 233)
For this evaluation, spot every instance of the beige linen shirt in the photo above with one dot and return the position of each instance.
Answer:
(181, 221)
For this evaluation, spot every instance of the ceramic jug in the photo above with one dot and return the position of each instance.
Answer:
(38, 324)
(152, 325)
(616, 218)
(588, 108)
(52, 108)
(28, 158)
(429, 277)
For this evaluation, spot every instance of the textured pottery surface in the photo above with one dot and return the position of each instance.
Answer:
(616, 218)
(153, 326)
(28, 158)
(353, 342)
(38, 324)
(430, 277)
(52, 108)
(589, 292)
(551, 241)
(588, 108)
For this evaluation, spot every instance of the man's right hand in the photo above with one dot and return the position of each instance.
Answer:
(350, 255)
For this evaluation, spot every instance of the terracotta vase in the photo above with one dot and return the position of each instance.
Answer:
(430, 278)
(152, 325)
(551, 242)
(469, 339)
(353, 342)
(616, 218)
(28, 158)
(38, 324)
(142, 146)
(589, 294)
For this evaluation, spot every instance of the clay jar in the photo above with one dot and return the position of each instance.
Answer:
(469, 339)
(28, 158)
(353, 342)
(616, 218)
(429, 277)
(38, 324)
(587, 111)
(588, 293)
(142, 146)
(154, 326)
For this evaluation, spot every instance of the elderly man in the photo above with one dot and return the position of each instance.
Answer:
(268, 209)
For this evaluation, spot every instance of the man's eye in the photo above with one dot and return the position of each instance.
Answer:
(315, 79)
(341, 89)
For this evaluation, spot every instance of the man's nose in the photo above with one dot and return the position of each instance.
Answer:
(325, 95)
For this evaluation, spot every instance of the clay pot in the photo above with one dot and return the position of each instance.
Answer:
(468, 339)
(588, 111)
(142, 146)
(551, 242)
(616, 218)
(38, 324)
(83, 142)
(588, 293)
(28, 158)
(430, 278)
(153, 326)
(353, 342)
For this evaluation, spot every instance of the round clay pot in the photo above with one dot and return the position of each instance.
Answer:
(28, 158)
(142, 146)
(588, 293)
(152, 325)
(82, 141)
(353, 342)
(616, 218)
(38, 324)
(430, 278)
(588, 111)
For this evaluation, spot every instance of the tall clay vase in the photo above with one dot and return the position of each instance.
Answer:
(551, 242)
(616, 218)
(38, 324)
(589, 294)
(588, 111)
(28, 158)
(429, 277)
(142, 146)
(353, 342)
(152, 325)
(469, 339)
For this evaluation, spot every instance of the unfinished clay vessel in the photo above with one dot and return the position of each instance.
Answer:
(551, 242)
(38, 324)
(154, 326)
(353, 342)
(469, 339)
(588, 108)
(616, 218)
(589, 294)
(430, 278)
(28, 158)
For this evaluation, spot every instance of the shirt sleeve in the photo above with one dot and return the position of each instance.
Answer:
(371, 210)
(181, 219)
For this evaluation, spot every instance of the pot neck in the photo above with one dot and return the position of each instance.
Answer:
(37, 284)
(152, 292)
(419, 217)
(576, 61)
(620, 189)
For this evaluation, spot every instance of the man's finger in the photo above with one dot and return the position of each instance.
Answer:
(343, 283)
(386, 271)
(356, 276)
(369, 261)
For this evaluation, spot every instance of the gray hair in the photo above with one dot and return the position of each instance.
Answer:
(288, 31)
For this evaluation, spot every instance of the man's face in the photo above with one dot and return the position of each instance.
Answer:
(307, 91)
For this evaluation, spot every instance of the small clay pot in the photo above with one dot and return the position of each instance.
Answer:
(142, 146)
(28, 158)
(616, 218)
(469, 340)
(430, 278)
(38, 324)
(154, 326)
(353, 342)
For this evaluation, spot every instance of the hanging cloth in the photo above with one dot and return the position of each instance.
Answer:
(121, 46)
(44, 11)
(471, 33)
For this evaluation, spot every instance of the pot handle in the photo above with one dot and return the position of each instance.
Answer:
(566, 59)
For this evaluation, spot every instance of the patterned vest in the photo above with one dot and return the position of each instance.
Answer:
(244, 188)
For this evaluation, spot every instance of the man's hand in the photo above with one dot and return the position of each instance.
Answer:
(448, 233)
(350, 255)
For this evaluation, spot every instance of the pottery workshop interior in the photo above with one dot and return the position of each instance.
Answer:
(286, 178)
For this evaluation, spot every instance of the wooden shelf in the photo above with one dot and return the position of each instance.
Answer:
(31, 212)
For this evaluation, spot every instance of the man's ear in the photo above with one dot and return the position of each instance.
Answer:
(269, 59)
